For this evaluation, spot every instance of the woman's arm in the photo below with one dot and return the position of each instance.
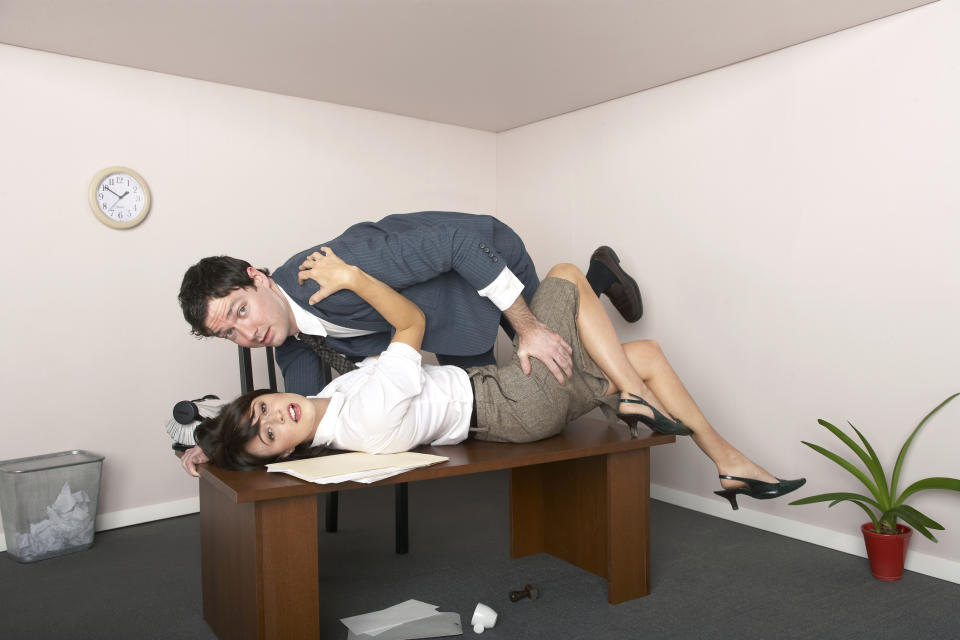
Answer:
(333, 274)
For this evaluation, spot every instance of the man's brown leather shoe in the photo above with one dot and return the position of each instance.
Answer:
(624, 292)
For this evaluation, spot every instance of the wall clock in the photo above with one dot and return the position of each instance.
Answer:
(119, 197)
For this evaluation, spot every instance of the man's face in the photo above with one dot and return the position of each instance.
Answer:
(252, 317)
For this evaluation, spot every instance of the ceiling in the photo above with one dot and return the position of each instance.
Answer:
(485, 64)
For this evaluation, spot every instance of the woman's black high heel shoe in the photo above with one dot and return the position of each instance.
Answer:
(659, 422)
(759, 489)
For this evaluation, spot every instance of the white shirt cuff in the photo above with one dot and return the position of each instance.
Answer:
(504, 290)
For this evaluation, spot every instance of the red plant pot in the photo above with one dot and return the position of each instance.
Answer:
(886, 551)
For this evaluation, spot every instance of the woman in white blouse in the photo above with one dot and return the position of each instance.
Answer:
(394, 403)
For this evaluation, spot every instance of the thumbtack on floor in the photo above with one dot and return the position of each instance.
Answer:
(528, 591)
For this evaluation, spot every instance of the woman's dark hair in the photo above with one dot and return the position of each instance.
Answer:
(211, 278)
(224, 438)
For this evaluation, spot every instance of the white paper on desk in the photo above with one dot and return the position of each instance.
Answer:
(360, 476)
(439, 625)
(377, 622)
(365, 477)
(383, 474)
(338, 466)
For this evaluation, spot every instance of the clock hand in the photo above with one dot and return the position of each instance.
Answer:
(118, 199)
(110, 190)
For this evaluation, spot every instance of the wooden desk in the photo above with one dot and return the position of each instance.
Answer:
(582, 496)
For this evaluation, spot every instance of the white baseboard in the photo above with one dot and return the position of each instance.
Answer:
(852, 544)
(138, 515)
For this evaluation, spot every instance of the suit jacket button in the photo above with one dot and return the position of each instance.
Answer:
(483, 246)
(495, 259)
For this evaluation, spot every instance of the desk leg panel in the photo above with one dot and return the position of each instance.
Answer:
(591, 512)
(560, 508)
(526, 511)
(289, 579)
(628, 531)
(259, 567)
(228, 567)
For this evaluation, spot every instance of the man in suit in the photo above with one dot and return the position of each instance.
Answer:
(469, 274)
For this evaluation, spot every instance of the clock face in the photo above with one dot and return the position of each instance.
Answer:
(119, 197)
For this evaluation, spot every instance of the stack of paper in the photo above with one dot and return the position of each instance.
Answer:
(356, 467)
(405, 621)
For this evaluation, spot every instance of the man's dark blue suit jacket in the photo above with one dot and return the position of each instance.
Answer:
(437, 259)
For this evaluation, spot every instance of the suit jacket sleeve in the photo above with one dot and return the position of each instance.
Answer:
(421, 252)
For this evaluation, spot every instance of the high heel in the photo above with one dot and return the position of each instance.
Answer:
(759, 489)
(659, 422)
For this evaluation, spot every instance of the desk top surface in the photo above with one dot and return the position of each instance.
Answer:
(582, 438)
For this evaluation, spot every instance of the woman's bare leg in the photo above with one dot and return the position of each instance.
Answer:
(642, 369)
(652, 366)
(600, 340)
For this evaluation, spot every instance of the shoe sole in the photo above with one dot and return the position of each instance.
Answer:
(621, 275)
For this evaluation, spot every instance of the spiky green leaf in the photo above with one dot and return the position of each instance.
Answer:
(860, 475)
(836, 497)
(874, 466)
(949, 484)
(906, 445)
(873, 518)
(905, 510)
(914, 522)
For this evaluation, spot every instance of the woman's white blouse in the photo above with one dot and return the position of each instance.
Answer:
(394, 403)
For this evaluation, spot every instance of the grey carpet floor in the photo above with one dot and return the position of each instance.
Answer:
(712, 579)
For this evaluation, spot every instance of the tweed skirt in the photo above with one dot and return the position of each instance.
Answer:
(513, 407)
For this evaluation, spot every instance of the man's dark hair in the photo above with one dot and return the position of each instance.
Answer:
(211, 278)
(224, 438)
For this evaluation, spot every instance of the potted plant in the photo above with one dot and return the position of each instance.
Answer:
(885, 539)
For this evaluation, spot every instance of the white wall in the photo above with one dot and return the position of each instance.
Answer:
(793, 224)
(95, 351)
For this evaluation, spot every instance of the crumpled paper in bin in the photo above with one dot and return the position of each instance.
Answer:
(69, 523)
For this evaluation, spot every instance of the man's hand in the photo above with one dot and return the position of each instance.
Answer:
(540, 342)
(191, 458)
(537, 340)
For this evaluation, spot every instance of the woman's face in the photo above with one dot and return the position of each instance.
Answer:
(286, 420)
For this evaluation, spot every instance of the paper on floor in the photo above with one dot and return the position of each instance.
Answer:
(405, 621)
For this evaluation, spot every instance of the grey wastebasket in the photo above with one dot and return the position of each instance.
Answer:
(48, 503)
